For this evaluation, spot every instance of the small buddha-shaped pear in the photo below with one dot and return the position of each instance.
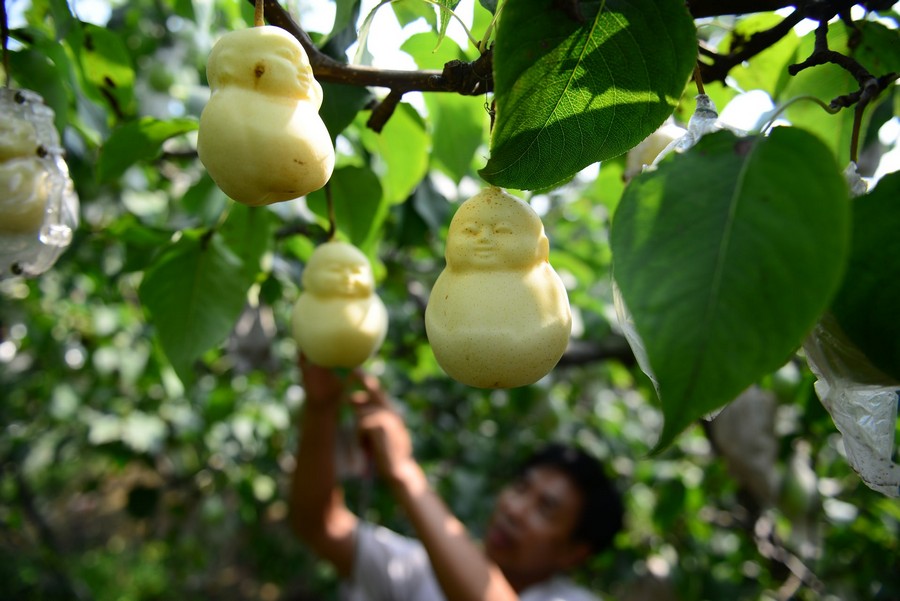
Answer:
(498, 315)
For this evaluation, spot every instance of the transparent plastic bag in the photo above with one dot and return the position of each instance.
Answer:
(862, 402)
(38, 173)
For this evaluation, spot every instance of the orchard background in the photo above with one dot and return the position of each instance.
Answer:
(148, 386)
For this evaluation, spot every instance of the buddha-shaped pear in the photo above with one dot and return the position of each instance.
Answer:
(261, 137)
(339, 320)
(498, 315)
(38, 202)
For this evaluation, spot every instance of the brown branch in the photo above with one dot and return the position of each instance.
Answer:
(717, 8)
(744, 49)
(465, 78)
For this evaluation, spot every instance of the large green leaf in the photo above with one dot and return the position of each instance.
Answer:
(569, 94)
(194, 293)
(401, 153)
(875, 47)
(726, 256)
(135, 141)
(359, 206)
(866, 306)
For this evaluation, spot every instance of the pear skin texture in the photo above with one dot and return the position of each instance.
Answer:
(338, 320)
(18, 138)
(24, 191)
(261, 137)
(498, 315)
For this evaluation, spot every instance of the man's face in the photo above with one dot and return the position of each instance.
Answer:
(530, 532)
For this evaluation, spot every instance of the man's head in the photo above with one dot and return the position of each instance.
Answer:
(559, 509)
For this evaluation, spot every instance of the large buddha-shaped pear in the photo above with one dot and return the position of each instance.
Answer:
(498, 315)
(261, 137)
(339, 320)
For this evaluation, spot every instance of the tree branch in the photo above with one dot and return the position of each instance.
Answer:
(744, 49)
(465, 78)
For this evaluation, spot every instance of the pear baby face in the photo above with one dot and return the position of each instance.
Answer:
(493, 231)
(339, 270)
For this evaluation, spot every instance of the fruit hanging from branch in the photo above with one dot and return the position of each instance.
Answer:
(339, 320)
(38, 204)
(261, 137)
(498, 315)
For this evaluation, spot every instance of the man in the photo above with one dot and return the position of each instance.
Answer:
(558, 512)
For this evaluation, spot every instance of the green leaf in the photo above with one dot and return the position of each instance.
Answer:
(446, 7)
(726, 256)
(877, 51)
(866, 305)
(194, 293)
(570, 94)
(460, 128)
(340, 105)
(136, 141)
(401, 153)
(359, 206)
(248, 233)
(421, 48)
(106, 67)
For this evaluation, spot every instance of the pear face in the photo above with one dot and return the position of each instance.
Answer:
(498, 315)
(339, 321)
(261, 137)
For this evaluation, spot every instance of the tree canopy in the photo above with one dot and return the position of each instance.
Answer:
(734, 355)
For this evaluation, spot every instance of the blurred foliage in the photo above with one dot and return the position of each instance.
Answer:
(119, 479)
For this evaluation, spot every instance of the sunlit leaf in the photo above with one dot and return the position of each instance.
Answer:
(401, 153)
(106, 66)
(726, 256)
(136, 141)
(569, 94)
(866, 306)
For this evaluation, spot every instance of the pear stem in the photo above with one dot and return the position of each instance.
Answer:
(259, 13)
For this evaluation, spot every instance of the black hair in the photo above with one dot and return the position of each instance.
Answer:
(602, 512)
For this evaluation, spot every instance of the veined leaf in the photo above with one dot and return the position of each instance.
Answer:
(569, 94)
(446, 6)
(726, 256)
(866, 306)
(359, 205)
(194, 294)
(136, 141)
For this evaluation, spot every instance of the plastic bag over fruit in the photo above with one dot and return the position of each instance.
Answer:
(861, 400)
(38, 203)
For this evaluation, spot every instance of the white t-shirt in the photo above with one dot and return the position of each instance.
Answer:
(392, 567)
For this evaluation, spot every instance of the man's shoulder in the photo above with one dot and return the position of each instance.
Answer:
(559, 588)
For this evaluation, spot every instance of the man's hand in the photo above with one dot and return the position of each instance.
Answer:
(382, 432)
(322, 385)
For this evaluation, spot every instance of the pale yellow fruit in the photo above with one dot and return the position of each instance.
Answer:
(18, 138)
(650, 147)
(339, 321)
(261, 137)
(498, 315)
(24, 190)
